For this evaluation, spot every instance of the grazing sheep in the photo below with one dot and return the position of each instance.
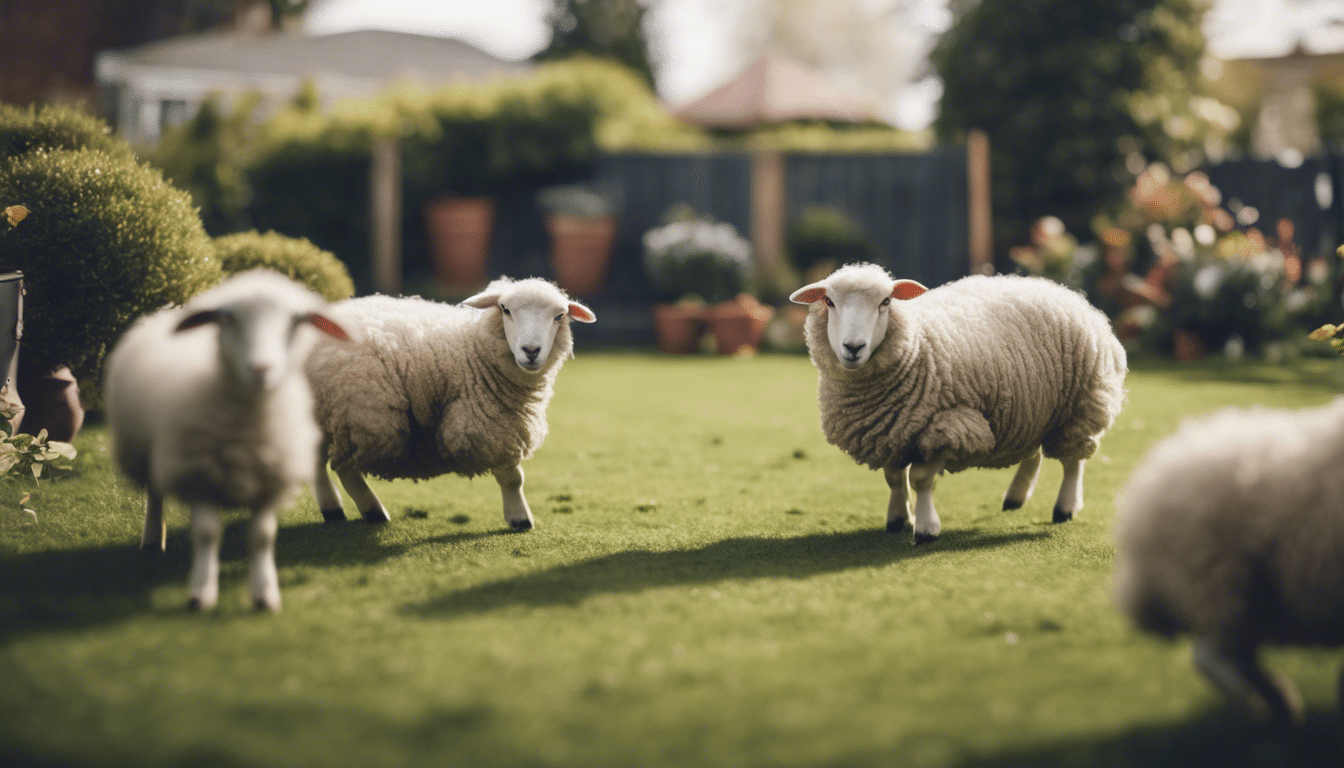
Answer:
(436, 388)
(1231, 530)
(982, 372)
(208, 403)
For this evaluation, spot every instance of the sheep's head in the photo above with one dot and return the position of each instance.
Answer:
(260, 316)
(533, 311)
(857, 299)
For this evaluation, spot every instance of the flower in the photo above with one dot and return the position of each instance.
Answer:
(697, 258)
(16, 213)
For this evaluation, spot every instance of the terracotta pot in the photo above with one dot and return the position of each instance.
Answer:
(678, 327)
(1187, 345)
(580, 251)
(739, 324)
(459, 236)
(51, 402)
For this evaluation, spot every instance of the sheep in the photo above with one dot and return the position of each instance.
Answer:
(981, 372)
(1230, 530)
(436, 388)
(208, 403)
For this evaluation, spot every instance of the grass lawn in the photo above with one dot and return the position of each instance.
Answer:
(709, 584)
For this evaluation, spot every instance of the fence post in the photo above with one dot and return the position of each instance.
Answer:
(980, 219)
(385, 215)
(768, 203)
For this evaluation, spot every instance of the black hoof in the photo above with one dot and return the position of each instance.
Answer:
(521, 525)
(333, 515)
(896, 526)
(1011, 504)
(376, 515)
(925, 538)
(1061, 516)
(260, 606)
(151, 550)
(194, 604)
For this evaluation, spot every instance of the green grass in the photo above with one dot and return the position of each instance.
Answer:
(709, 584)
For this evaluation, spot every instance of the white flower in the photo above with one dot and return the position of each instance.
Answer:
(1207, 280)
(1183, 242)
(1204, 234)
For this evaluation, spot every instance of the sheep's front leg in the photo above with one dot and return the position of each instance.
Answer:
(328, 498)
(1236, 672)
(898, 507)
(516, 511)
(154, 538)
(1024, 482)
(206, 531)
(923, 477)
(1070, 500)
(370, 508)
(263, 579)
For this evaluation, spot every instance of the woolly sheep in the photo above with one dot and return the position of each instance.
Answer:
(436, 388)
(208, 403)
(1230, 530)
(981, 372)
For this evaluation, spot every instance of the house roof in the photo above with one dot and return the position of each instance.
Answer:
(774, 89)
(1274, 29)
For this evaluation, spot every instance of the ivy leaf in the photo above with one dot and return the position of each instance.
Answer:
(37, 469)
(62, 449)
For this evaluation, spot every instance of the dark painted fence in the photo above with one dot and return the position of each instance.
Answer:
(1310, 195)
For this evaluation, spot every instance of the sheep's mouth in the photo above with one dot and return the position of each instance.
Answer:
(852, 363)
(530, 367)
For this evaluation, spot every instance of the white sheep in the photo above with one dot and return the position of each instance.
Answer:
(981, 372)
(436, 388)
(208, 403)
(1231, 530)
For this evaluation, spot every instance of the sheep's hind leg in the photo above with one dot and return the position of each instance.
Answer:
(264, 580)
(1024, 482)
(1070, 500)
(516, 511)
(898, 507)
(203, 582)
(328, 498)
(1236, 672)
(366, 501)
(155, 535)
(922, 477)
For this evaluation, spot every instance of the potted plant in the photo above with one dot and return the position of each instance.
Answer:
(823, 238)
(451, 169)
(582, 225)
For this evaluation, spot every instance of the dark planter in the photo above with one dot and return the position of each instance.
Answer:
(11, 329)
(51, 402)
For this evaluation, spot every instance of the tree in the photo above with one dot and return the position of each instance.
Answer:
(608, 29)
(1076, 97)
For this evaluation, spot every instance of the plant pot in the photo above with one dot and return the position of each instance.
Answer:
(678, 327)
(739, 324)
(11, 330)
(580, 251)
(459, 237)
(51, 402)
(1187, 345)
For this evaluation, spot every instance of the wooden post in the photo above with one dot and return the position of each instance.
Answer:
(980, 219)
(768, 209)
(385, 215)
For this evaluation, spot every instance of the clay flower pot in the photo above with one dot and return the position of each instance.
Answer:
(459, 236)
(580, 251)
(1187, 345)
(739, 324)
(678, 327)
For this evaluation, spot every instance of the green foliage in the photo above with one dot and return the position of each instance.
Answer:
(106, 240)
(823, 238)
(55, 127)
(296, 257)
(207, 156)
(609, 29)
(25, 458)
(1329, 97)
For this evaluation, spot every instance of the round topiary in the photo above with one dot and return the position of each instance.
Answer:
(55, 127)
(106, 240)
(296, 257)
(825, 236)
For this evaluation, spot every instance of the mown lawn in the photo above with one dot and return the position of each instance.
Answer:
(709, 584)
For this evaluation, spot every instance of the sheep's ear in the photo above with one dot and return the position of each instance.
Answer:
(326, 325)
(906, 289)
(809, 294)
(197, 319)
(581, 313)
(483, 300)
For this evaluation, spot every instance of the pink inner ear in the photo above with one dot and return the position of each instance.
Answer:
(809, 296)
(327, 326)
(906, 289)
(581, 313)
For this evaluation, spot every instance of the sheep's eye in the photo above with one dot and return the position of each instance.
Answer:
(560, 317)
(505, 310)
(828, 301)
(885, 302)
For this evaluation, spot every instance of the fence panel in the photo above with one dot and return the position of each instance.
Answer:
(1296, 194)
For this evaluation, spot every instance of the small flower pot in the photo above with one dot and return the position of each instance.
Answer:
(459, 236)
(581, 251)
(1187, 345)
(678, 327)
(739, 324)
(51, 402)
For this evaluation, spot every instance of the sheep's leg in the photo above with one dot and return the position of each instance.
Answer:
(516, 512)
(898, 507)
(155, 535)
(922, 477)
(365, 500)
(1236, 672)
(1024, 482)
(263, 579)
(1070, 499)
(328, 498)
(206, 531)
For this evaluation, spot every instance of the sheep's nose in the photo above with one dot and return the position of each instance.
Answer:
(854, 349)
(531, 353)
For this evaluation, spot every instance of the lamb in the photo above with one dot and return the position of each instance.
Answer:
(981, 372)
(1230, 530)
(436, 389)
(208, 403)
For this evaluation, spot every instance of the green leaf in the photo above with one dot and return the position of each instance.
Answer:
(37, 470)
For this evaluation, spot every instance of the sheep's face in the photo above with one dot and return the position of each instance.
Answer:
(857, 313)
(531, 318)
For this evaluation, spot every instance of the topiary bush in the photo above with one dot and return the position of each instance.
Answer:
(53, 127)
(296, 257)
(823, 238)
(106, 240)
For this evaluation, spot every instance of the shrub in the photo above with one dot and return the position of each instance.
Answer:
(697, 258)
(207, 157)
(296, 257)
(55, 127)
(106, 240)
(823, 235)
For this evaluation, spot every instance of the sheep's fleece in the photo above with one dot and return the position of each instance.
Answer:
(431, 389)
(989, 367)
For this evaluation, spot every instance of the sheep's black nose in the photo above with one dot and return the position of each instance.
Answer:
(854, 349)
(531, 353)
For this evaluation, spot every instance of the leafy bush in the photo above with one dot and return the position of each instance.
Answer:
(823, 235)
(106, 240)
(296, 257)
(55, 127)
(207, 156)
(697, 259)
(25, 458)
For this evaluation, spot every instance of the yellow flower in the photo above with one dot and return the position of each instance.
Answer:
(15, 214)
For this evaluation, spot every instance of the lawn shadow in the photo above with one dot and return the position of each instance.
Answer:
(739, 558)
(1214, 738)
(1324, 374)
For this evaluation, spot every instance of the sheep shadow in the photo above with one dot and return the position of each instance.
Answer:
(635, 571)
(1216, 737)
